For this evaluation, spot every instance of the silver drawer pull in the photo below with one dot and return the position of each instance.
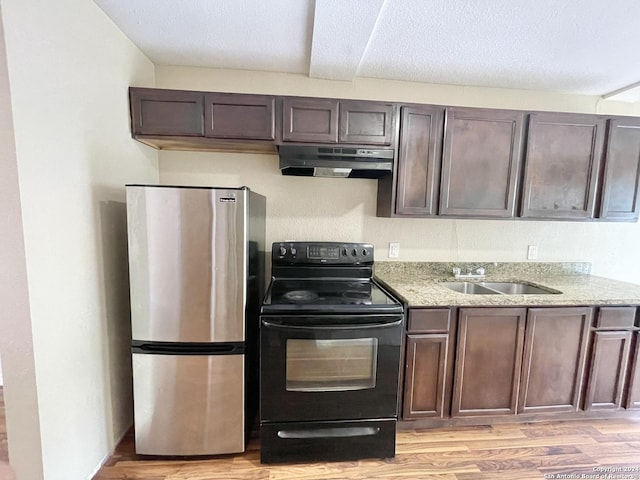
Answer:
(330, 432)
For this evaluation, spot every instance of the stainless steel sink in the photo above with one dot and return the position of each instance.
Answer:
(468, 287)
(514, 288)
(498, 288)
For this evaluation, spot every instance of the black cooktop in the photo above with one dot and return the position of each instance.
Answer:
(328, 295)
(325, 278)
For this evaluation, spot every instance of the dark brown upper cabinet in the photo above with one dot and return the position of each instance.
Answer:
(369, 123)
(419, 161)
(249, 117)
(166, 112)
(481, 162)
(186, 120)
(319, 120)
(310, 120)
(562, 163)
(621, 171)
(458, 162)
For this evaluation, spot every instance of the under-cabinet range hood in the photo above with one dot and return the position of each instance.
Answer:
(329, 161)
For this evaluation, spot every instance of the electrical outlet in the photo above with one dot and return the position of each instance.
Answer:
(394, 250)
(532, 252)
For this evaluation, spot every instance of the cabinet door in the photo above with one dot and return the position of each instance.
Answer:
(554, 358)
(166, 112)
(489, 357)
(366, 122)
(419, 160)
(633, 392)
(562, 164)
(249, 117)
(621, 171)
(426, 376)
(607, 371)
(310, 120)
(481, 162)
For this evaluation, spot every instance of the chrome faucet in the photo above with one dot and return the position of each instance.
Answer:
(472, 271)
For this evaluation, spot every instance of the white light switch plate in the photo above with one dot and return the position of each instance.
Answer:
(532, 252)
(394, 250)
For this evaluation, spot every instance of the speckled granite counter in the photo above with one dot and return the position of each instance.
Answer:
(418, 283)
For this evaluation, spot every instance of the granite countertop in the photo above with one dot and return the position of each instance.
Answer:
(418, 284)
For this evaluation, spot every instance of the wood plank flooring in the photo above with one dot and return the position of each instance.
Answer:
(4, 448)
(500, 452)
(6, 472)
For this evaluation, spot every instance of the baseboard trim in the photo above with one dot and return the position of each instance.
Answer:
(111, 452)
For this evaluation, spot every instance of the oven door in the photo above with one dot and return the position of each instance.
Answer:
(341, 367)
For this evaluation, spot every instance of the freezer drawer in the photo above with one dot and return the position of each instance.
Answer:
(188, 404)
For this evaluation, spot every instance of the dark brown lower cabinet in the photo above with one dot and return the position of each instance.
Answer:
(425, 375)
(607, 370)
(428, 363)
(502, 361)
(633, 393)
(489, 356)
(554, 359)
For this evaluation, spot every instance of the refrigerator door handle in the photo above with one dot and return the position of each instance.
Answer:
(169, 348)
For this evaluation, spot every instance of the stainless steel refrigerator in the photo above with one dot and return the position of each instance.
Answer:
(196, 264)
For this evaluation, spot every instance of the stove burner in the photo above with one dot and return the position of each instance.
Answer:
(300, 296)
(356, 295)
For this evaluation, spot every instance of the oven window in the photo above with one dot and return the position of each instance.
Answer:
(331, 365)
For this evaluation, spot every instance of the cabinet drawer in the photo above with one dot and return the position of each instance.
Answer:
(615, 317)
(429, 320)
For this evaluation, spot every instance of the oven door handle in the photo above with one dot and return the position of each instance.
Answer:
(351, 326)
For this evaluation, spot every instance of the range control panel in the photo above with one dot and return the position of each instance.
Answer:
(314, 253)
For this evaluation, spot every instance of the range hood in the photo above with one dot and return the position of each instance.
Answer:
(328, 161)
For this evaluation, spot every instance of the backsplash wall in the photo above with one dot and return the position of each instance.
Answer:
(306, 208)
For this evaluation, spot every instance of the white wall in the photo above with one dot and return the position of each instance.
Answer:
(69, 70)
(305, 208)
(16, 339)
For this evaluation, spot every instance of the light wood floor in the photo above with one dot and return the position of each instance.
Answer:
(4, 449)
(500, 452)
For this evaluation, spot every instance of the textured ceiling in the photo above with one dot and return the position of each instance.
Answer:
(573, 46)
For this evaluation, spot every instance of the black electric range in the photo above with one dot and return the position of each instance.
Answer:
(330, 353)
